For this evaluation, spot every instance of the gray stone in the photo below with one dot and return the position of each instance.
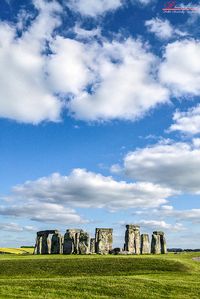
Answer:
(46, 244)
(38, 245)
(56, 244)
(43, 241)
(92, 245)
(132, 239)
(115, 251)
(145, 244)
(84, 243)
(163, 244)
(103, 240)
(158, 243)
(71, 241)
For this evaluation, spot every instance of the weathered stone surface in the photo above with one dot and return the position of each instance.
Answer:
(132, 239)
(46, 244)
(56, 244)
(103, 240)
(145, 244)
(71, 241)
(49, 232)
(38, 245)
(92, 245)
(163, 244)
(158, 243)
(116, 250)
(84, 243)
(43, 241)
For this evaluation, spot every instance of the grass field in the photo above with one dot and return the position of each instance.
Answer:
(166, 276)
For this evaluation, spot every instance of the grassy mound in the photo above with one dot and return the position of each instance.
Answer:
(100, 266)
(85, 277)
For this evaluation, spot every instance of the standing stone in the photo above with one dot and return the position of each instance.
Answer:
(163, 244)
(56, 244)
(46, 244)
(92, 245)
(158, 243)
(145, 244)
(132, 239)
(71, 241)
(84, 243)
(103, 240)
(38, 245)
(43, 241)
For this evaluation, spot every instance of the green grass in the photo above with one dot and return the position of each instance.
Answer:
(74, 277)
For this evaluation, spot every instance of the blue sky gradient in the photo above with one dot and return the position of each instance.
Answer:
(107, 98)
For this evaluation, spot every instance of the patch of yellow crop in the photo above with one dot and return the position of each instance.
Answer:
(16, 250)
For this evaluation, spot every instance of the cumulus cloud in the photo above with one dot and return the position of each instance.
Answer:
(24, 93)
(89, 190)
(180, 70)
(162, 28)
(124, 77)
(15, 227)
(95, 7)
(160, 224)
(42, 212)
(42, 71)
(191, 215)
(173, 165)
(187, 122)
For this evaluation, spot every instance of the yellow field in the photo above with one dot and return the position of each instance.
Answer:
(17, 250)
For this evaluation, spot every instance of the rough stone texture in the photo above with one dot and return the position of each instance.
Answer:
(56, 244)
(145, 244)
(92, 245)
(158, 243)
(103, 240)
(116, 250)
(46, 244)
(71, 241)
(132, 239)
(163, 244)
(43, 241)
(38, 245)
(84, 243)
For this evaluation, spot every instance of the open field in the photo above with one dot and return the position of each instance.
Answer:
(166, 276)
(26, 250)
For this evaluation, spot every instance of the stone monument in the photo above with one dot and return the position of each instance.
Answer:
(132, 239)
(103, 240)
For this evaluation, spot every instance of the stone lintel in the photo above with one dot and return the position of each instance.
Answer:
(133, 226)
(158, 233)
(47, 232)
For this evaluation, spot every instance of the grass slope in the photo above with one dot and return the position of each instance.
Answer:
(166, 276)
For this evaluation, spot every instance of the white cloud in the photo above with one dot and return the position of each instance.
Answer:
(180, 70)
(162, 28)
(24, 93)
(39, 68)
(174, 165)
(95, 7)
(187, 122)
(83, 33)
(124, 77)
(35, 210)
(89, 190)
(192, 215)
(15, 227)
(161, 224)
(68, 66)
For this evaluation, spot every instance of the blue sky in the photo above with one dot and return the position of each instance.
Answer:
(99, 118)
